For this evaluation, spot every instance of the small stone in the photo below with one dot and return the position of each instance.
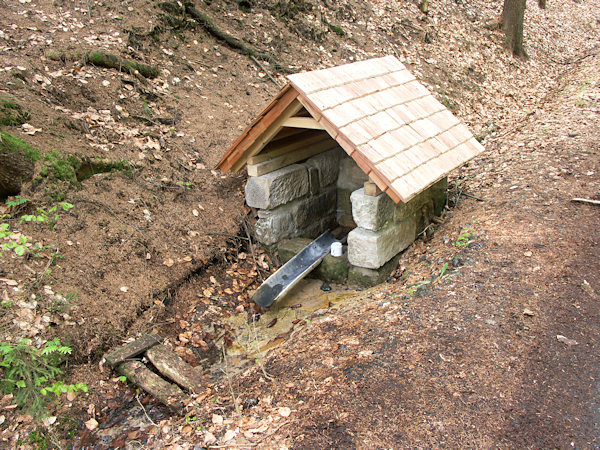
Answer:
(284, 411)
(325, 287)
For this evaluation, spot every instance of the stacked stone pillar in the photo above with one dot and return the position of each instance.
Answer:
(384, 229)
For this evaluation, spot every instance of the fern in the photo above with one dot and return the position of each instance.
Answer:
(30, 373)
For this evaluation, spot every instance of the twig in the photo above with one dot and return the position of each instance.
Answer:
(251, 247)
(271, 433)
(259, 64)
(226, 371)
(585, 200)
(144, 409)
(466, 194)
(224, 234)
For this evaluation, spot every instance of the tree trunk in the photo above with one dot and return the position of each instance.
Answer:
(15, 168)
(513, 14)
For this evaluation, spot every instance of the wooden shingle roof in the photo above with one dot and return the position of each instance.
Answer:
(390, 124)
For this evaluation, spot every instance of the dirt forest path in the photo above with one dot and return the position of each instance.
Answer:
(500, 351)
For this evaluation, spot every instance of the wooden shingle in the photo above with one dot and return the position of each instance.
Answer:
(389, 123)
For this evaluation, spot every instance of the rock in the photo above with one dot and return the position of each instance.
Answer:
(371, 213)
(277, 188)
(372, 249)
(365, 278)
(351, 177)
(327, 163)
(303, 217)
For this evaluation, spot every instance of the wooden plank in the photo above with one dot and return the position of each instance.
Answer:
(378, 181)
(165, 392)
(302, 122)
(173, 367)
(132, 349)
(295, 144)
(393, 195)
(286, 133)
(267, 132)
(257, 128)
(256, 170)
(285, 97)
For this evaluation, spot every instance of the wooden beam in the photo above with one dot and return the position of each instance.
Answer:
(265, 132)
(132, 349)
(256, 170)
(258, 126)
(165, 392)
(173, 367)
(290, 145)
(303, 122)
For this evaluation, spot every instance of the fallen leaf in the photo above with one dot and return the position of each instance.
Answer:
(229, 435)
(168, 262)
(566, 340)
(217, 419)
(48, 421)
(209, 438)
(29, 129)
(91, 424)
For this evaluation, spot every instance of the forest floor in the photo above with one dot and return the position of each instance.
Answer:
(490, 343)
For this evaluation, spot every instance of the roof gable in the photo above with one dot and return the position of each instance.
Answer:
(390, 124)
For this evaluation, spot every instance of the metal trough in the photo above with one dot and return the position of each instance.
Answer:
(279, 284)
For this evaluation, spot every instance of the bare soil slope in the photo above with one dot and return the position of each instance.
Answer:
(472, 357)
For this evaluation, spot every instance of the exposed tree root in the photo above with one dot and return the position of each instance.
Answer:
(233, 42)
(112, 61)
(108, 60)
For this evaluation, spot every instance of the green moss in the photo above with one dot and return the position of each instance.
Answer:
(12, 144)
(337, 30)
(62, 168)
(11, 113)
(93, 166)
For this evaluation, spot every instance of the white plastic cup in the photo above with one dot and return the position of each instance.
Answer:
(336, 249)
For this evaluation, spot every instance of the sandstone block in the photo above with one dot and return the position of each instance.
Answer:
(372, 213)
(328, 165)
(351, 177)
(365, 278)
(308, 216)
(372, 249)
(277, 188)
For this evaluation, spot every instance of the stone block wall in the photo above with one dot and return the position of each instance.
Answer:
(351, 177)
(384, 229)
(299, 200)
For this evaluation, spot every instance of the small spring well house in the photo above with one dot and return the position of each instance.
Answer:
(363, 146)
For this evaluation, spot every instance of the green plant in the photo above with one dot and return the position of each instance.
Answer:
(418, 285)
(17, 201)
(443, 271)
(464, 238)
(18, 246)
(50, 216)
(185, 184)
(31, 373)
